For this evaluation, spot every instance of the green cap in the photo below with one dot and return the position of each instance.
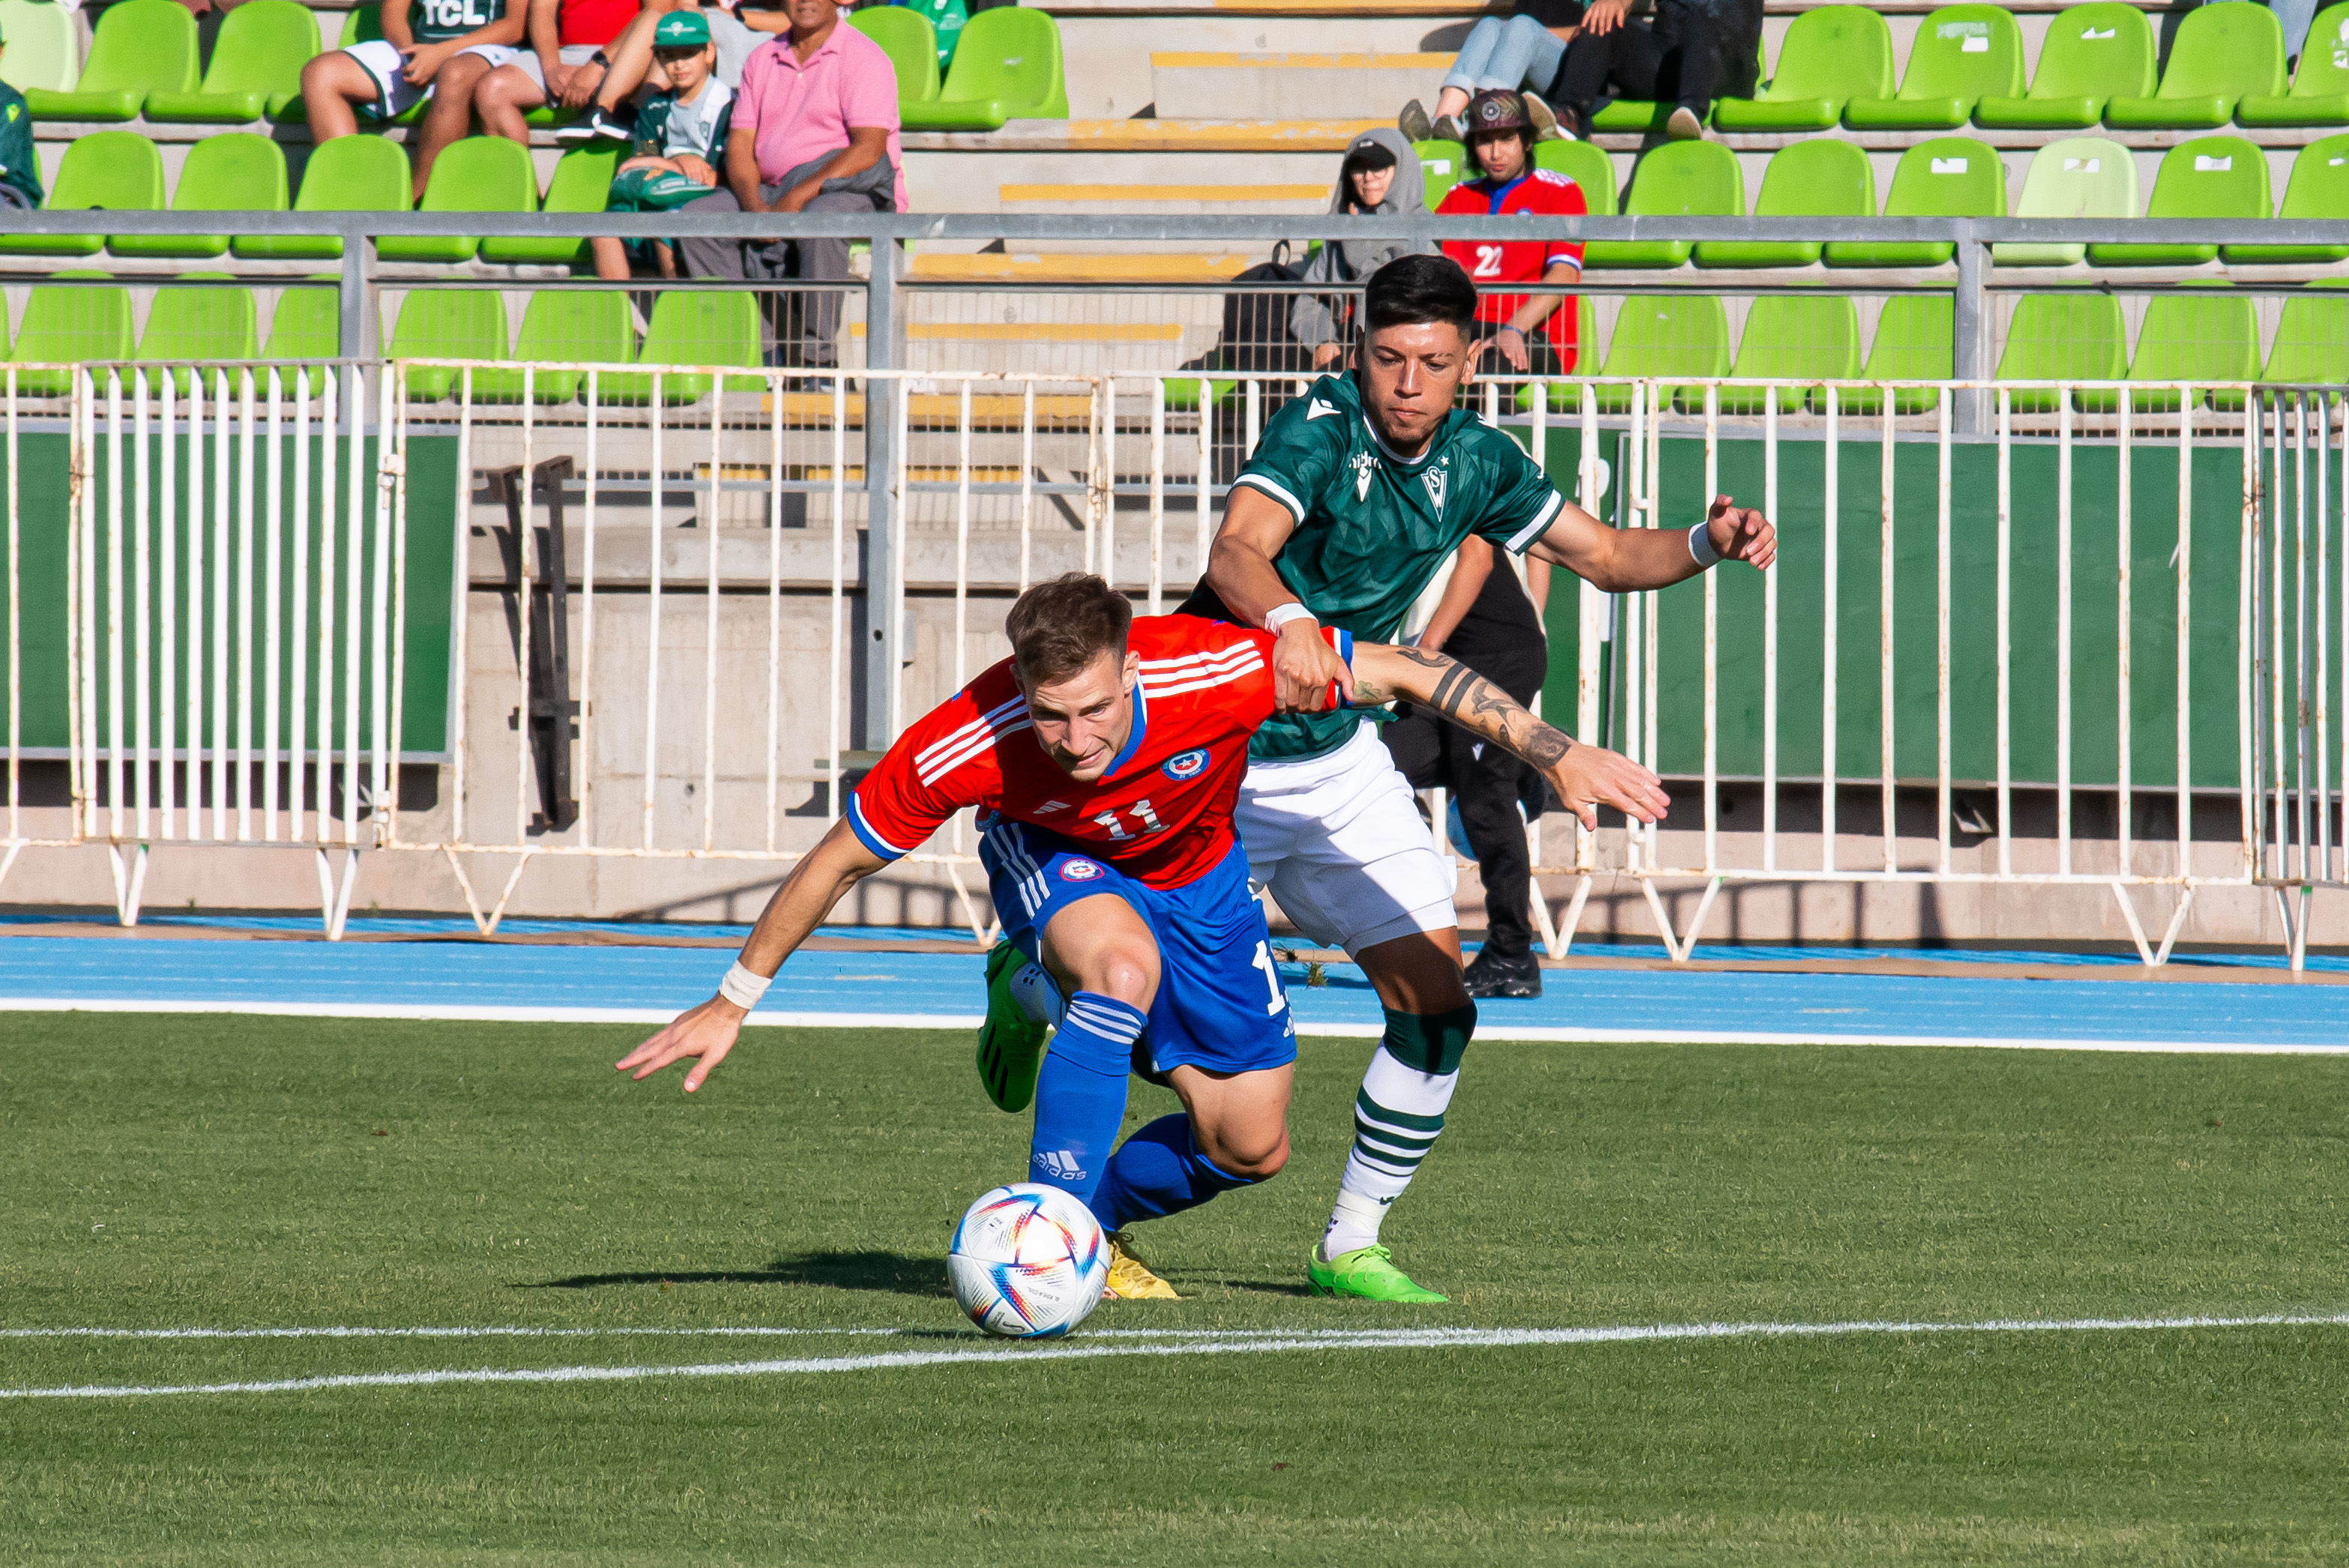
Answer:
(681, 30)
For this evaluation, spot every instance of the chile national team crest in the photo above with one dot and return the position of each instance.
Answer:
(1186, 765)
(1079, 871)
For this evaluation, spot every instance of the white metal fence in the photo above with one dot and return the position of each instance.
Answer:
(241, 664)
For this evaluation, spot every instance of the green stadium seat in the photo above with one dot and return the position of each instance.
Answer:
(582, 182)
(307, 324)
(2312, 341)
(142, 47)
(1006, 66)
(256, 66)
(2209, 334)
(2092, 55)
(577, 326)
(1948, 177)
(1831, 55)
(446, 324)
(348, 174)
(696, 328)
(2319, 187)
(1662, 336)
(1961, 55)
(227, 171)
(1183, 390)
(44, 46)
(1678, 178)
(200, 325)
(1916, 340)
(2062, 337)
(1441, 165)
(1567, 398)
(2320, 87)
(64, 324)
(479, 174)
(1819, 178)
(1585, 165)
(116, 170)
(2207, 177)
(2221, 53)
(912, 45)
(2078, 177)
(1792, 337)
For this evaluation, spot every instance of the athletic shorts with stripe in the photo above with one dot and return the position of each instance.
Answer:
(395, 95)
(1219, 1006)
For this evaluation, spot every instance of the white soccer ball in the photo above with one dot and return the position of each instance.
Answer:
(1028, 1262)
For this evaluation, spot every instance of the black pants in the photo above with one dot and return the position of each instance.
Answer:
(1677, 60)
(1435, 753)
(1541, 356)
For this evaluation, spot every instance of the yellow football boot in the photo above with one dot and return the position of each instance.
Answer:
(1130, 1278)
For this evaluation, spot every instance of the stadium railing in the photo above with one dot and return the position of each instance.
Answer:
(267, 671)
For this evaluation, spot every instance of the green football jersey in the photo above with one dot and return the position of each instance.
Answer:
(1373, 529)
(437, 21)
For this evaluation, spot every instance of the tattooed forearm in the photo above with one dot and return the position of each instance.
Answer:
(1477, 705)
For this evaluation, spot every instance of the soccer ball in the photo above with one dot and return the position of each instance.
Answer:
(1028, 1262)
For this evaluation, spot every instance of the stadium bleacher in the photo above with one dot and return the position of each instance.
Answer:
(2038, 108)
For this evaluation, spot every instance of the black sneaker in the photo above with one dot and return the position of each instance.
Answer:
(1412, 122)
(1492, 973)
(599, 125)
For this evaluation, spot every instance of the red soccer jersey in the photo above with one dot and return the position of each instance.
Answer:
(1517, 261)
(1161, 813)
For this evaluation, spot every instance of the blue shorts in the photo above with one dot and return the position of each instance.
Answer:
(1220, 1006)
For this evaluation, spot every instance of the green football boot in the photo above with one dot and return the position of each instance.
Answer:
(1368, 1273)
(1010, 1043)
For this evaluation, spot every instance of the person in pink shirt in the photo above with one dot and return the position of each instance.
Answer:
(815, 130)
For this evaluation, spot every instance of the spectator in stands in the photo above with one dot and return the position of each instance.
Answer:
(680, 137)
(20, 165)
(733, 32)
(1687, 53)
(563, 65)
(435, 50)
(1500, 140)
(814, 130)
(1525, 51)
(1380, 174)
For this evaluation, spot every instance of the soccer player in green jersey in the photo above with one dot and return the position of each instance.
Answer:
(1354, 497)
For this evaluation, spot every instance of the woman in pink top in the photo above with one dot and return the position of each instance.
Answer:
(815, 130)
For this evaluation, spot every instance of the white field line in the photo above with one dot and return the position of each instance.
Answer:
(1210, 1342)
(433, 1333)
(1488, 1028)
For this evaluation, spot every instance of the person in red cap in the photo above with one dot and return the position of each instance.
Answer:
(1529, 333)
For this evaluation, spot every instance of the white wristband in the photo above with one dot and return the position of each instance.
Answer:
(1701, 545)
(1280, 616)
(742, 987)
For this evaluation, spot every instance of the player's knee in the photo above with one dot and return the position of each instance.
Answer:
(1254, 1158)
(1127, 971)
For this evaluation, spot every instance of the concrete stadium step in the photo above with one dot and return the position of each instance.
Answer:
(1167, 198)
(1204, 84)
(1081, 267)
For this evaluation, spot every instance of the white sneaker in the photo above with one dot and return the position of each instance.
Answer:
(1684, 126)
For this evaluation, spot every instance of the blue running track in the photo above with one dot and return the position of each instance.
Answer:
(899, 989)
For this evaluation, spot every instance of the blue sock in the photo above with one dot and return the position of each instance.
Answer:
(1159, 1171)
(1081, 1093)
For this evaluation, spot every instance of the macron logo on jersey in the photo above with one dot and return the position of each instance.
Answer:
(1048, 807)
(1316, 408)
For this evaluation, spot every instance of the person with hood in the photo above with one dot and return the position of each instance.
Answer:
(1380, 174)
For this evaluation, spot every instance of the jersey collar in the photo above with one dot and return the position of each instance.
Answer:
(1134, 737)
(1494, 195)
(1408, 464)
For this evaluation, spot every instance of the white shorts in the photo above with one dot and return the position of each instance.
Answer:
(395, 95)
(1340, 841)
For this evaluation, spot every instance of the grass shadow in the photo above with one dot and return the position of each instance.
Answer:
(892, 1272)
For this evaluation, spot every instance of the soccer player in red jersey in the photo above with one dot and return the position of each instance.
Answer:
(1105, 758)
(1500, 138)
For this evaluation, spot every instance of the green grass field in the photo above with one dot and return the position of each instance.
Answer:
(249, 1173)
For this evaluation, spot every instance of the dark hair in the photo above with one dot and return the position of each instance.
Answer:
(1414, 289)
(1057, 628)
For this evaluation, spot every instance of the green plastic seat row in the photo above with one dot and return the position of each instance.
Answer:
(911, 42)
(44, 47)
(2210, 335)
(143, 60)
(242, 172)
(1006, 66)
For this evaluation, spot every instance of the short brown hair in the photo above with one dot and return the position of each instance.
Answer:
(1057, 628)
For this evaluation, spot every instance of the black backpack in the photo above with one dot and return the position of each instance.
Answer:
(1256, 334)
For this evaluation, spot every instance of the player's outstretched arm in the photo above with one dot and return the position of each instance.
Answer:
(1628, 560)
(818, 882)
(1585, 777)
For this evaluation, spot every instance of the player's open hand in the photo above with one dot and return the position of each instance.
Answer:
(1589, 777)
(707, 1032)
(1303, 665)
(1741, 533)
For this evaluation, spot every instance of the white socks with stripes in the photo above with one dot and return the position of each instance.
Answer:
(1398, 1116)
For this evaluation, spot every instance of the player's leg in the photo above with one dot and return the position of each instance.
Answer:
(1233, 1131)
(1486, 781)
(1101, 952)
(504, 96)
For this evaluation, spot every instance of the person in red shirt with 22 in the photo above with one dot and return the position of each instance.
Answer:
(1500, 138)
(1105, 759)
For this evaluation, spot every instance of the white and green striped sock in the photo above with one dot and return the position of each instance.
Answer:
(1398, 1116)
